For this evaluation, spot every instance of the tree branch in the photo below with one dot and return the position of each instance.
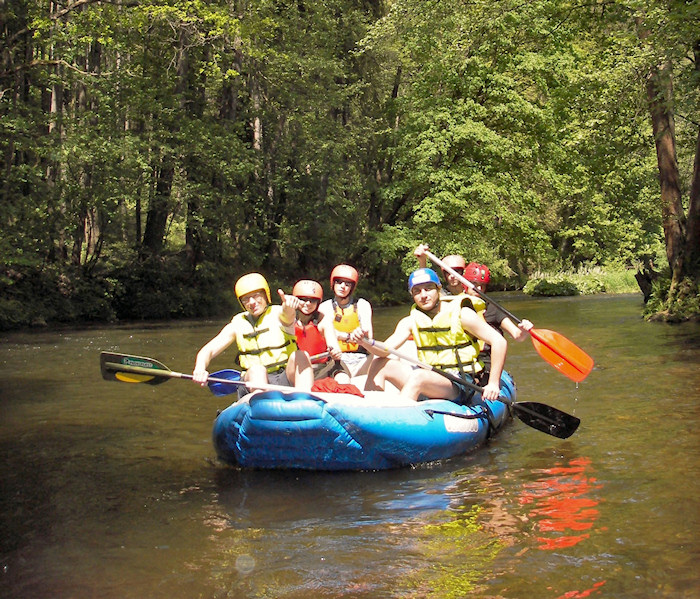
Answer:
(71, 7)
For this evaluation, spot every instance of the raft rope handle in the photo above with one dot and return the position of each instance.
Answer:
(481, 414)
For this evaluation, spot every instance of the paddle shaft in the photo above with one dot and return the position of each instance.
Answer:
(115, 366)
(448, 375)
(519, 406)
(561, 353)
(471, 286)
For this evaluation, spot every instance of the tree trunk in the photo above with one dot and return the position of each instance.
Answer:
(157, 217)
(89, 213)
(192, 102)
(692, 239)
(660, 96)
(681, 237)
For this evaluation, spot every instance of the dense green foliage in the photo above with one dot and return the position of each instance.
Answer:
(154, 151)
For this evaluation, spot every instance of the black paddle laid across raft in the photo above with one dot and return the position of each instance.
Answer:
(542, 417)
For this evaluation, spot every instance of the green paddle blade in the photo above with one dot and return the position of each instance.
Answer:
(132, 369)
(546, 418)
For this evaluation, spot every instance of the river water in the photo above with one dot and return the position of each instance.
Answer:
(112, 490)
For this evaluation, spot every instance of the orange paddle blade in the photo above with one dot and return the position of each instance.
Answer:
(567, 357)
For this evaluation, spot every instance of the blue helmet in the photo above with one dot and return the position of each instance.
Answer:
(423, 275)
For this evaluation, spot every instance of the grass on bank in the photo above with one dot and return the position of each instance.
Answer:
(583, 281)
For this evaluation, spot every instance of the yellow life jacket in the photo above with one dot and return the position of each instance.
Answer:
(346, 320)
(441, 341)
(264, 341)
(474, 302)
(477, 304)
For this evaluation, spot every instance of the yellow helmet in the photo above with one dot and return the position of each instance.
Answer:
(253, 281)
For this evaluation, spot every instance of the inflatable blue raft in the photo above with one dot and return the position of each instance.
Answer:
(340, 431)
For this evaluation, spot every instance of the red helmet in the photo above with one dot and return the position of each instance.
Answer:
(344, 271)
(477, 273)
(307, 288)
(454, 261)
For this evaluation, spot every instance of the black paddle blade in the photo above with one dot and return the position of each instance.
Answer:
(546, 418)
(131, 369)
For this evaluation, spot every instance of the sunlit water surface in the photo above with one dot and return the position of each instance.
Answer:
(113, 490)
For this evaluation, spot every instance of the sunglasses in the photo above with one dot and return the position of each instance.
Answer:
(308, 299)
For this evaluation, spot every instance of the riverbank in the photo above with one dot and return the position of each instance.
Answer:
(162, 292)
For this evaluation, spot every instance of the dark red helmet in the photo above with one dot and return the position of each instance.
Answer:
(477, 273)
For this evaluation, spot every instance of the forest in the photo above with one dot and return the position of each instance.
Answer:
(155, 150)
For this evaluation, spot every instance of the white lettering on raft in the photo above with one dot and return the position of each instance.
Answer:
(461, 425)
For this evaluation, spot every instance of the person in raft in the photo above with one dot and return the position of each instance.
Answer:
(315, 333)
(447, 335)
(454, 261)
(349, 316)
(479, 275)
(263, 336)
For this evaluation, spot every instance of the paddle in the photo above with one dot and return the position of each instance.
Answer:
(137, 369)
(316, 359)
(219, 389)
(564, 355)
(542, 417)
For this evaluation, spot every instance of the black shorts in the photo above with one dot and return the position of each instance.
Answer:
(464, 393)
(279, 377)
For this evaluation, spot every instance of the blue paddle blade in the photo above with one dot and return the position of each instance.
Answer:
(220, 389)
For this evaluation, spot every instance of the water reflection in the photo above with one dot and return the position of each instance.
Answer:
(582, 594)
(354, 530)
(292, 499)
(562, 503)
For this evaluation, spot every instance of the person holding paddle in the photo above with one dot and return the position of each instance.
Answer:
(446, 334)
(456, 262)
(479, 276)
(561, 353)
(264, 338)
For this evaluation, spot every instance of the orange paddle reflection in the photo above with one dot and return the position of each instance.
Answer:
(562, 506)
(582, 594)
